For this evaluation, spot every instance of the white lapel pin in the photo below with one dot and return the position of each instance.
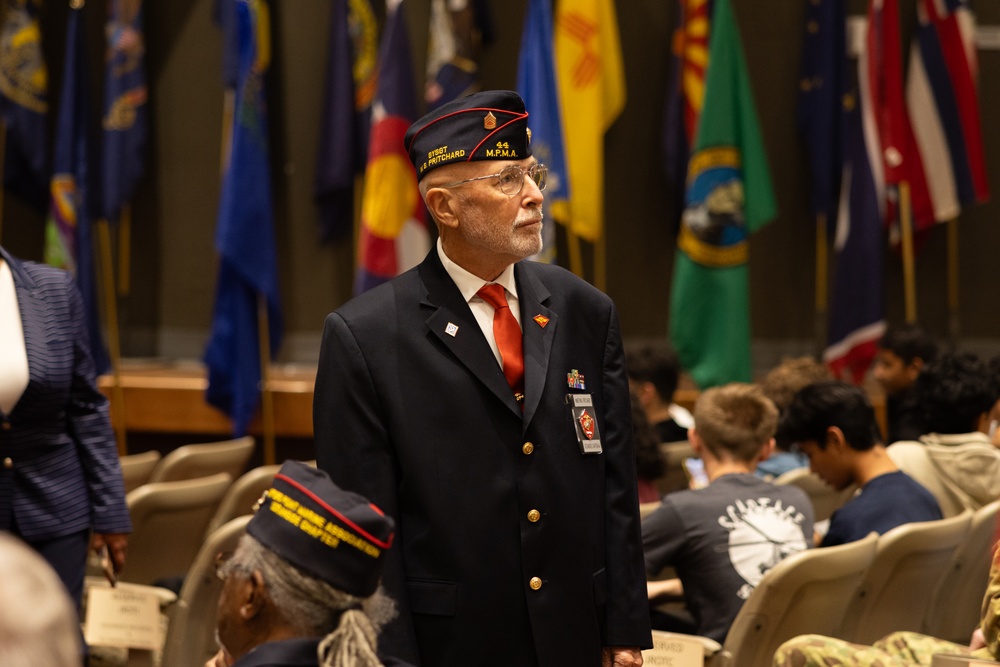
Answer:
(451, 329)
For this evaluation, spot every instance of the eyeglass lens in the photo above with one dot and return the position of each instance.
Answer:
(512, 178)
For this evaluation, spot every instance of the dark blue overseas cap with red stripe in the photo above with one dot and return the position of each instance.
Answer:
(489, 125)
(331, 534)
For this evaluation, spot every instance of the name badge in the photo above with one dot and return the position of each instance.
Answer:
(588, 433)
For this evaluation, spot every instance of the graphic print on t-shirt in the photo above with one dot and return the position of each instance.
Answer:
(761, 533)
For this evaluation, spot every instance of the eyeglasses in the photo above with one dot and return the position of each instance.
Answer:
(511, 179)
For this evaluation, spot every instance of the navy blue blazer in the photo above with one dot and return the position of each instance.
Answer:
(59, 469)
(412, 410)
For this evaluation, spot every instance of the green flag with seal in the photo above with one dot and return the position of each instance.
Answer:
(728, 197)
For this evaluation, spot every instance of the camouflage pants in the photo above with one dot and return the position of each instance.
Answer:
(900, 649)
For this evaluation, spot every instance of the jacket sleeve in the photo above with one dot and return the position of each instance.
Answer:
(354, 447)
(627, 609)
(89, 423)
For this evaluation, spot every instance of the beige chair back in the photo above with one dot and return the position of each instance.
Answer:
(954, 610)
(896, 591)
(674, 478)
(825, 499)
(168, 525)
(806, 593)
(137, 468)
(201, 460)
(190, 636)
(241, 496)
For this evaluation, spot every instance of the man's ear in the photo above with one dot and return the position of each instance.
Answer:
(254, 598)
(766, 451)
(835, 439)
(697, 444)
(442, 204)
(913, 368)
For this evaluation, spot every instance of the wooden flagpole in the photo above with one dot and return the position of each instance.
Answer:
(822, 288)
(954, 320)
(267, 395)
(3, 175)
(601, 263)
(125, 250)
(114, 344)
(909, 274)
(575, 253)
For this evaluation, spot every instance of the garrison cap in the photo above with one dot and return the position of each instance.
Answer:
(489, 125)
(331, 534)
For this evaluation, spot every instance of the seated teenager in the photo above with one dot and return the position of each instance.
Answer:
(903, 352)
(833, 423)
(653, 373)
(722, 539)
(780, 385)
(955, 458)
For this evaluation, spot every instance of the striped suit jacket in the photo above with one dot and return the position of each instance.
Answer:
(59, 470)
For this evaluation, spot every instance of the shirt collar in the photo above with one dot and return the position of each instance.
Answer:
(468, 284)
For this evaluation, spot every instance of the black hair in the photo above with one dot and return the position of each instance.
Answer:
(820, 405)
(649, 461)
(953, 391)
(908, 342)
(656, 363)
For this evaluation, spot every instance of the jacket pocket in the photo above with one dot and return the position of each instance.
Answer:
(438, 598)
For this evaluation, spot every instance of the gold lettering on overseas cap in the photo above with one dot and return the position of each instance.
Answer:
(528, 130)
(490, 121)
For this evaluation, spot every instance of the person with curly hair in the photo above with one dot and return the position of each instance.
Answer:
(955, 458)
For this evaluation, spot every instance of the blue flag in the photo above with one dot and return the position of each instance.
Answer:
(536, 82)
(125, 109)
(23, 102)
(224, 14)
(68, 233)
(351, 77)
(857, 305)
(821, 90)
(245, 237)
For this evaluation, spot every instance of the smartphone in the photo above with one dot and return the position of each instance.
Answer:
(108, 566)
(695, 471)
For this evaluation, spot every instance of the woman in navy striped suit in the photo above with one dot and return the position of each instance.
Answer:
(59, 473)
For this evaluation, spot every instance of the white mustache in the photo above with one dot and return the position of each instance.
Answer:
(530, 220)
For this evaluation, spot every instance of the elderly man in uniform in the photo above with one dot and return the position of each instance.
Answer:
(301, 589)
(483, 402)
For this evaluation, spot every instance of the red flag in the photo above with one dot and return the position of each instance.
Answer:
(885, 80)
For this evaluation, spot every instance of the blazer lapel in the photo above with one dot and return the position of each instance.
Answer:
(453, 323)
(538, 326)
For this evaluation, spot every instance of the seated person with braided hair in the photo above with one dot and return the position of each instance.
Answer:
(302, 587)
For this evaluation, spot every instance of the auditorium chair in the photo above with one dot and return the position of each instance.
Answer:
(674, 478)
(896, 592)
(137, 468)
(168, 526)
(825, 499)
(201, 460)
(242, 495)
(190, 638)
(806, 593)
(954, 609)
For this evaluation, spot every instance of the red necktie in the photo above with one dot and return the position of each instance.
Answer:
(508, 337)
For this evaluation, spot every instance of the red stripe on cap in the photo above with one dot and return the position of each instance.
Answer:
(358, 529)
(487, 137)
(517, 116)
